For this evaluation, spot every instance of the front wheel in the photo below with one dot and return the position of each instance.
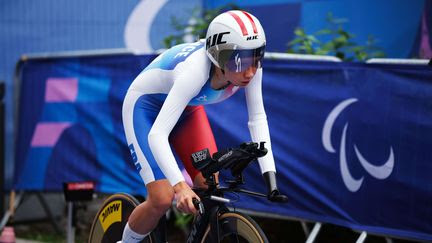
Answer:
(111, 219)
(238, 228)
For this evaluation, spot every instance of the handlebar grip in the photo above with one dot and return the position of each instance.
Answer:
(198, 205)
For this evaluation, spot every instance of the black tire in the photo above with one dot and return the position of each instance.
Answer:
(237, 227)
(110, 220)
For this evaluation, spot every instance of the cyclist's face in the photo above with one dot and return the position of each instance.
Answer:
(241, 78)
(240, 65)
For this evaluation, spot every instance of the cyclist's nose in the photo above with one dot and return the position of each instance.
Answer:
(250, 72)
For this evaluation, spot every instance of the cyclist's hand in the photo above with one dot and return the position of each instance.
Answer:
(184, 196)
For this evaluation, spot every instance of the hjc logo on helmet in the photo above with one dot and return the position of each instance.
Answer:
(255, 37)
(216, 39)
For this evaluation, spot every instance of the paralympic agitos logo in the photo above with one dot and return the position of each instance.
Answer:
(379, 172)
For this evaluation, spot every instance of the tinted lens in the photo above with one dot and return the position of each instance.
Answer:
(241, 60)
(240, 63)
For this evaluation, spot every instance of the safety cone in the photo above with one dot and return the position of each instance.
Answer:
(7, 235)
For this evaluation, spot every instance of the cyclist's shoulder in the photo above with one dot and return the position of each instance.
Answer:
(193, 53)
(185, 51)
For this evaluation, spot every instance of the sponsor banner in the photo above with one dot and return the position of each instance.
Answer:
(70, 126)
(351, 141)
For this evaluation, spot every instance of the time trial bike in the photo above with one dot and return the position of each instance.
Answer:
(215, 222)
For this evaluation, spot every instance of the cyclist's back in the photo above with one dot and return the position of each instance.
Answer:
(159, 76)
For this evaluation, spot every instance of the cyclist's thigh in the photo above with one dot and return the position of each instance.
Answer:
(191, 134)
(139, 113)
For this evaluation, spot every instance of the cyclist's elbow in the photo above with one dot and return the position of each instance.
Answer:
(155, 136)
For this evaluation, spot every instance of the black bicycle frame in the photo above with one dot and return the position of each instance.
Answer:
(201, 222)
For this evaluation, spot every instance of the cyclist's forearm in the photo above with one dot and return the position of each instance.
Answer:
(257, 124)
(260, 133)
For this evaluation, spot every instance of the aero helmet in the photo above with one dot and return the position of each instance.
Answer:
(235, 41)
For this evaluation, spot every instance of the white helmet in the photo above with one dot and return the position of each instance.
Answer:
(235, 41)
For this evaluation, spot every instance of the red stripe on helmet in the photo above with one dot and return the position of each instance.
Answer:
(239, 22)
(252, 22)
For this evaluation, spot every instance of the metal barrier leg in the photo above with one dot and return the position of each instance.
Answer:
(388, 240)
(305, 228)
(16, 202)
(314, 233)
(362, 237)
(48, 212)
(70, 227)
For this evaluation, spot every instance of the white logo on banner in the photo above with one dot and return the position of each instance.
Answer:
(137, 34)
(137, 30)
(379, 172)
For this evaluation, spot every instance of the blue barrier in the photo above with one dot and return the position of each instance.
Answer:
(351, 140)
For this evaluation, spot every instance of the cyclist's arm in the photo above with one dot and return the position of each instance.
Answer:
(187, 84)
(257, 124)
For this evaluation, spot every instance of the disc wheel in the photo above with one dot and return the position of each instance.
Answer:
(111, 219)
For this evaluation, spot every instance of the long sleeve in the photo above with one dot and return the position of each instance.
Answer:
(186, 85)
(258, 126)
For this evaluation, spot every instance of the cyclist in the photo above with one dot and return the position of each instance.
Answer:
(164, 105)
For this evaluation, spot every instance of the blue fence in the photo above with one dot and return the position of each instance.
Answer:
(351, 140)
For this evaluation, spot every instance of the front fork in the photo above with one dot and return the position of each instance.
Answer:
(201, 222)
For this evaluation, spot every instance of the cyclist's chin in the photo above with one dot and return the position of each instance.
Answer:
(242, 83)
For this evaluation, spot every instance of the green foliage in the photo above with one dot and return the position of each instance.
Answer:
(197, 26)
(339, 42)
(182, 220)
(48, 237)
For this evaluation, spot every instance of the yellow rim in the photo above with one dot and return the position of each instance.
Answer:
(109, 200)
